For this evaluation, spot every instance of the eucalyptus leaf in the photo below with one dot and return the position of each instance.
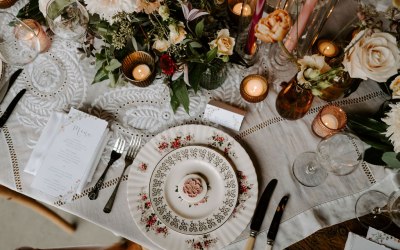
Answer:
(390, 159)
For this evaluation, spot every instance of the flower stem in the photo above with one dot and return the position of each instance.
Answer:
(288, 54)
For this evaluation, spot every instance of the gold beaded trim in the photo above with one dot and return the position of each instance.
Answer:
(14, 160)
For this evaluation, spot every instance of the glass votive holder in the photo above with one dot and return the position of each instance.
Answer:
(330, 120)
(44, 40)
(7, 3)
(254, 88)
(139, 68)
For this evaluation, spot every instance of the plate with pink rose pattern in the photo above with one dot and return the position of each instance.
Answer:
(143, 210)
(193, 190)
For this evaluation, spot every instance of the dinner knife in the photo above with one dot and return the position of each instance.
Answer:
(259, 213)
(6, 87)
(11, 107)
(273, 229)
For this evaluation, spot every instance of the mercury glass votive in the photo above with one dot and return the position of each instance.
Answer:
(330, 120)
(254, 88)
(139, 68)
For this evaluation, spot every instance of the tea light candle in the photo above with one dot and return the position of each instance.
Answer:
(327, 48)
(254, 88)
(237, 9)
(330, 120)
(141, 72)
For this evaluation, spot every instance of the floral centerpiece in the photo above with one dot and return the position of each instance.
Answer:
(186, 37)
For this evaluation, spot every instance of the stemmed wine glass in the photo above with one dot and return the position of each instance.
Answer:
(376, 209)
(19, 44)
(339, 154)
(67, 19)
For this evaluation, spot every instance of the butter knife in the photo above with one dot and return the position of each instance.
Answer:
(10, 108)
(7, 87)
(259, 213)
(273, 229)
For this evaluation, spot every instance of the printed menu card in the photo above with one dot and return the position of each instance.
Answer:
(65, 158)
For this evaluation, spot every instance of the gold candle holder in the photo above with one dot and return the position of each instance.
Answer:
(254, 88)
(330, 120)
(44, 40)
(7, 3)
(139, 68)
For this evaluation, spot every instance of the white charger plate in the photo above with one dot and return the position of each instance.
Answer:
(149, 156)
(186, 214)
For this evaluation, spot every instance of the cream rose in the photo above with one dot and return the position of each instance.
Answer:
(310, 68)
(161, 45)
(224, 42)
(274, 27)
(375, 56)
(177, 33)
(395, 87)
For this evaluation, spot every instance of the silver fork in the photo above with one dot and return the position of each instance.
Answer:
(115, 155)
(131, 153)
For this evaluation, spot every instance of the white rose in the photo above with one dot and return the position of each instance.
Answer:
(161, 45)
(374, 56)
(177, 33)
(163, 11)
(311, 67)
(43, 6)
(224, 42)
(395, 87)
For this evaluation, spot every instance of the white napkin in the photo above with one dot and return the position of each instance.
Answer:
(356, 242)
(382, 238)
(46, 140)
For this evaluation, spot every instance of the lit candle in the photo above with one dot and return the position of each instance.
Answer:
(327, 48)
(237, 9)
(254, 88)
(330, 121)
(141, 72)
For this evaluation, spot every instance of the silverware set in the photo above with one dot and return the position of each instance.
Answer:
(116, 153)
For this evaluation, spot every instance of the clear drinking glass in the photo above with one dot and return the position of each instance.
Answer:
(19, 44)
(67, 18)
(339, 154)
(376, 209)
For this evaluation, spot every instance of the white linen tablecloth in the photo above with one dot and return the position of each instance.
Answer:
(59, 79)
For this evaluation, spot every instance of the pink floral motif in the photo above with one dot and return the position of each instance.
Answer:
(244, 192)
(192, 187)
(167, 144)
(223, 144)
(142, 167)
(150, 219)
(204, 242)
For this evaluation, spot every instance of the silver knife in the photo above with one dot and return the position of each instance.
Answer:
(10, 108)
(7, 87)
(259, 213)
(273, 229)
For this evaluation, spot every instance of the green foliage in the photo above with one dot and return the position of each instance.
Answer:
(179, 95)
(31, 11)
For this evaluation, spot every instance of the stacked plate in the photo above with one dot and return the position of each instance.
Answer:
(192, 187)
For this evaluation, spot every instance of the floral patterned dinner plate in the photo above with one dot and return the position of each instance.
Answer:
(193, 190)
(138, 187)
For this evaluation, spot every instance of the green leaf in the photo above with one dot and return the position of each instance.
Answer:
(195, 44)
(199, 28)
(374, 156)
(113, 79)
(225, 59)
(391, 160)
(179, 90)
(211, 54)
(101, 75)
(174, 103)
(114, 64)
(194, 52)
(195, 75)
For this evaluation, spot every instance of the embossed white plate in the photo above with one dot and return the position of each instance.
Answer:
(149, 156)
(175, 204)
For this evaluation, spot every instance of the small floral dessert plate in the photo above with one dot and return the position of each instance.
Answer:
(193, 190)
(191, 186)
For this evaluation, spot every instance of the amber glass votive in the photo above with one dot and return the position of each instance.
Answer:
(139, 68)
(330, 120)
(254, 88)
(7, 3)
